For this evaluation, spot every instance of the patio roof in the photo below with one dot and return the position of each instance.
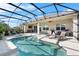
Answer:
(20, 13)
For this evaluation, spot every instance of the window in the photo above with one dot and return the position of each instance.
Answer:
(60, 27)
(43, 28)
(57, 28)
(46, 27)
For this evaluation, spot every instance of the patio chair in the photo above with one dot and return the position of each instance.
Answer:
(62, 36)
(57, 34)
(52, 35)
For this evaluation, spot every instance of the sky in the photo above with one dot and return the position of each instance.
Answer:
(29, 7)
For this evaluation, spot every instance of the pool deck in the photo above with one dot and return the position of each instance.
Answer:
(7, 48)
(71, 45)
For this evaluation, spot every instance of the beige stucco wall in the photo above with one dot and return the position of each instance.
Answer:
(67, 20)
(68, 23)
(52, 25)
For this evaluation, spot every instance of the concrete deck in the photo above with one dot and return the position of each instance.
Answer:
(7, 48)
(71, 45)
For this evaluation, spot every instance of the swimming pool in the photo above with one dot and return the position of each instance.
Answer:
(31, 46)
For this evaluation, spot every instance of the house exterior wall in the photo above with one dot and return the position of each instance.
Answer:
(71, 22)
(76, 27)
(27, 27)
(67, 22)
(52, 24)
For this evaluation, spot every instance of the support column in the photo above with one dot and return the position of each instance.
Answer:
(76, 27)
(49, 26)
(38, 28)
(24, 28)
(9, 32)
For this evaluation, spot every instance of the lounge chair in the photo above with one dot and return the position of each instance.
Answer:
(61, 37)
(57, 34)
(52, 35)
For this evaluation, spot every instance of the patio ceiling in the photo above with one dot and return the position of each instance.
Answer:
(20, 13)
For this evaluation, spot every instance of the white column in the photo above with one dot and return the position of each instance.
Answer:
(24, 28)
(38, 28)
(9, 32)
(76, 27)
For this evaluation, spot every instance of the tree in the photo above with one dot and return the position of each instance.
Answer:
(18, 30)
(3, 28)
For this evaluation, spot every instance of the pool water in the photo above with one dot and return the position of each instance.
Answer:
(31, 46)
